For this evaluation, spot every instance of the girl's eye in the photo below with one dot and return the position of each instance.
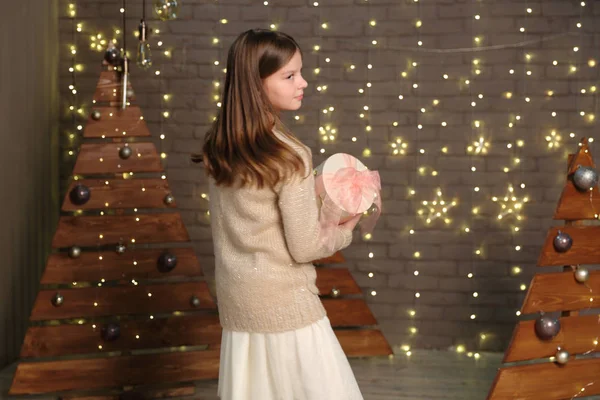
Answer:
(291, 76)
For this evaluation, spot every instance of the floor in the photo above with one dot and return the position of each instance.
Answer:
(426, 374)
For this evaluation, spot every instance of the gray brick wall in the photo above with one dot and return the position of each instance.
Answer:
(447, 252)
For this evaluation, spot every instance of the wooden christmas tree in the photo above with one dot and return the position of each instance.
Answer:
(123, 309)
(563, 346)
(123, 306)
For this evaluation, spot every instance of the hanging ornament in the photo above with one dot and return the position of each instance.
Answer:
(585, 178)
(167, 262)
(112, 55)
(582, 274)
(110, 332)
(144, 59)
(546, 328)
(80, 194)
(125, 79)
(125, 152)
(96, 115)
(120, 249)
(169, 199)
(58, 300)
(562, 242)
(74, 252)
(166, 9)
(562, 356)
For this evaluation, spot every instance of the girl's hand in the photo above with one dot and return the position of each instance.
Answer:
(351, 224)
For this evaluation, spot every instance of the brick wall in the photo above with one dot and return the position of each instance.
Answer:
(507, 84)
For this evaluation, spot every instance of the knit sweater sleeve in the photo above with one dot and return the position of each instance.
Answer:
(307, 238)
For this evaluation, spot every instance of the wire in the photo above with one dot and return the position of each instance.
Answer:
(472, 49)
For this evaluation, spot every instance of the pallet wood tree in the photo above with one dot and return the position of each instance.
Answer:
(123, 308)
(113, 319)
(568, 373)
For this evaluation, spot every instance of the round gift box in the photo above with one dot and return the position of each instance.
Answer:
(325, 175)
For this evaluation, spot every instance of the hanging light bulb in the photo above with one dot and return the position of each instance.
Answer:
(166, 9)
(124, 60)
(144, 59)
(125, 77)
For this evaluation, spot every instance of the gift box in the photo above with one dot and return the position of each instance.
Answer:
(346, 188)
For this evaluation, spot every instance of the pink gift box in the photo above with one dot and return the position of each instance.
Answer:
(349, 188)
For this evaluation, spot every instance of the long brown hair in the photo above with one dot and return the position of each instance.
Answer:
(240, 147)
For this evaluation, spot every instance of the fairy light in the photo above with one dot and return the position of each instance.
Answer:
(510, 204)
(436, 209)
(400, 142)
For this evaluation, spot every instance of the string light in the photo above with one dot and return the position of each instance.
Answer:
(405, 142)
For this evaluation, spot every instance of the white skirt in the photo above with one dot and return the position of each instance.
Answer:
(304, 364)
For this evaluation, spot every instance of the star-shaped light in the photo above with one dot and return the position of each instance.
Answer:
(554, 140)
(510, 204)
(399, 147)
(479, 147)
(436, 209)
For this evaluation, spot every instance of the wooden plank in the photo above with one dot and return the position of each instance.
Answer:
(561, 292)
(62, 340)
(339, 278)
(138, 264)
(348, 312)
(103, 158)
(108, 89)
(574, 205)
(99, 373)
(337, 258)
(578, 334)
(363, 342)
(139, 394)
(115, 122)
(112, 229)
(121, 193)
(585, 249)
(547, 381)
(122, 300)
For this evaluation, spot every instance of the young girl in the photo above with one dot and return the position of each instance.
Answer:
(277, 341)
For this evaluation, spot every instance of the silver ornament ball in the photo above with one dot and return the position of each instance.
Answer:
(562, 242)
(195, 301)
(585, 178)
(125, 152)
(547, 328)
(96, 115)
(562, 356)
(58, 300)
(582, 274)
(74, 252)
(169, 199)
(120, 249)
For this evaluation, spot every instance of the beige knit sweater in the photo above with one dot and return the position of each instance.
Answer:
(265, 241)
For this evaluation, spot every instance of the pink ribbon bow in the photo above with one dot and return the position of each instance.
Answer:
(347, 188)
(350, 186)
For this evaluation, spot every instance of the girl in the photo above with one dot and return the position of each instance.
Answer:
(267, 228)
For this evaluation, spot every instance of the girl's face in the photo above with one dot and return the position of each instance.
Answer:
(285, 87)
